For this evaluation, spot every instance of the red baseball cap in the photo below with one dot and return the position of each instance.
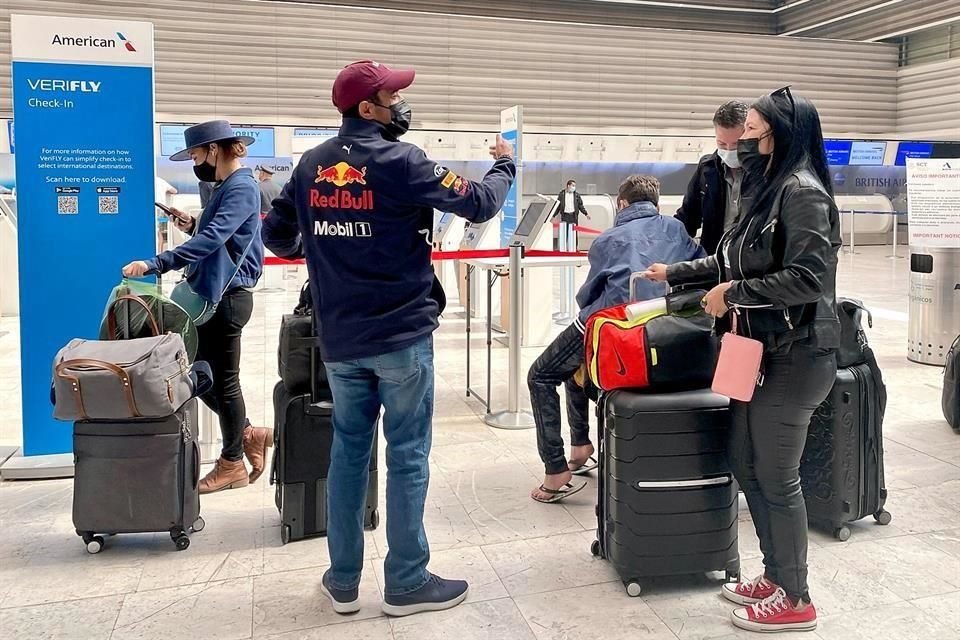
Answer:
(361, 80)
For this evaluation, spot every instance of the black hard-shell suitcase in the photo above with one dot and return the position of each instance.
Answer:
(951, 387)
(667, 500)
(303, 436)
(137, 476)
(842, 466)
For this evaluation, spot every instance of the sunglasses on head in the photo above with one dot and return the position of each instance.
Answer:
(784, 93)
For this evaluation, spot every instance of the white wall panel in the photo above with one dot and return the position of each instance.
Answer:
(929, 95)
(274, 63)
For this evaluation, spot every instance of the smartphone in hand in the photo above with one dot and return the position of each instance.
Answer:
(173, 213)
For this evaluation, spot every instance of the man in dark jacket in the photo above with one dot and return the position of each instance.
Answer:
(640, 236)
(571, 206)
(712, 201)
(359, 207)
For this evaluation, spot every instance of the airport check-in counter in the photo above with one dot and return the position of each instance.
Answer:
(481, 236)
(533, 232)
(866, 219)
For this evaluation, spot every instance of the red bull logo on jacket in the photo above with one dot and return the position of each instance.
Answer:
(341, 174)
(342, 199)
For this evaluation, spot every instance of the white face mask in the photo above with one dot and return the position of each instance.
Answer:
(572, 188)
(729, 157)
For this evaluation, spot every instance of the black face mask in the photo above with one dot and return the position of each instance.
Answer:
(401, 115)
(753, 162)
(204, 171)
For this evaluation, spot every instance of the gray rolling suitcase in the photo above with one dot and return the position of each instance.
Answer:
(137, 476)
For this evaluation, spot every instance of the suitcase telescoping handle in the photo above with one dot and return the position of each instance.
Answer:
(89, 363)
(112, 315)
(637, 276)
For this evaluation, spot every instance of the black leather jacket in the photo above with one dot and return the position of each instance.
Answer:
(783, 265)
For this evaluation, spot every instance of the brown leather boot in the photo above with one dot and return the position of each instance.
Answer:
(225, 475)
(256, 441)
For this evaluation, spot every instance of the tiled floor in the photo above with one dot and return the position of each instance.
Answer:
(529, 564)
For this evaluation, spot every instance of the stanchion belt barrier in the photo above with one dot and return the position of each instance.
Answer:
(579, 229)
(474, 254)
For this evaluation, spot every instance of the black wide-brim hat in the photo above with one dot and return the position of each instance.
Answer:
(206, 132)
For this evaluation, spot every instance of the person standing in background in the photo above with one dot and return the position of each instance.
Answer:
(268, 188)
(712, 200)
(571, 206)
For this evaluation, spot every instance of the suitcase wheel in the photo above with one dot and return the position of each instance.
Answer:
(285, 534)
(595, 549)
(883, 517)
(634, 589)
(374, 519)
(94, 543)
(842, 534)
(198, 525)
(732, 576)
(180, 538)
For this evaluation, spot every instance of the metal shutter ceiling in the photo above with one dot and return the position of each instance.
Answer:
(872, 24)
(929, 95)
(274, 63)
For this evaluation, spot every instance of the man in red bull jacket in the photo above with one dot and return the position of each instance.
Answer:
(359, 207)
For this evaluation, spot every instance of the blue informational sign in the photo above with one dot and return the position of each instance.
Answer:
(83, 103)
(511, 127)
(912, 150)
(264, 145)
(10, 134)
(838, 152)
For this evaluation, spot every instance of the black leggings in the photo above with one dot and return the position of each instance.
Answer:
(766, 443)
(220, 347)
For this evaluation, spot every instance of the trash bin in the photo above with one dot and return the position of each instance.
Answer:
(934, 320)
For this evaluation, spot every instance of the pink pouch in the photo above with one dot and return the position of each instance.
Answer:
(738, 367)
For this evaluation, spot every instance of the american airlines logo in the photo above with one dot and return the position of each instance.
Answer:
(342, 229)
(92, 41)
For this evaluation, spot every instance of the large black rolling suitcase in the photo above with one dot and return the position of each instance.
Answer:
(951, 387)
(303, 437)
(137, 476)
(667, 500)
(842, 466)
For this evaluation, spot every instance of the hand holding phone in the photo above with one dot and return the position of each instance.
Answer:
(181, 219)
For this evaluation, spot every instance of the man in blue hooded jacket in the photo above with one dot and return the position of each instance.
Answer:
(640, 236)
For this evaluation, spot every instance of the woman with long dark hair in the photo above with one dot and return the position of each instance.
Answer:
(776, 272)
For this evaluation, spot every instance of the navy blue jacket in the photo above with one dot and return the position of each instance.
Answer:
(640, 237)
(360, 207)
(222, 232)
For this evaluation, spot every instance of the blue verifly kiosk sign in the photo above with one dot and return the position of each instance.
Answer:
(83, 104)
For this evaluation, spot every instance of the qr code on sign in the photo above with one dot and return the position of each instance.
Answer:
(108, 204)
(68, 205)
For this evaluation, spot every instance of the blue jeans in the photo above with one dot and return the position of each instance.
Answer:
(401, 382)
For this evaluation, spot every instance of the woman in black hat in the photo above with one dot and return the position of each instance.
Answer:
(222, 262)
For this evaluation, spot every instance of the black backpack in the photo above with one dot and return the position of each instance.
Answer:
(853, 339)
(297, 343)
(951, 387)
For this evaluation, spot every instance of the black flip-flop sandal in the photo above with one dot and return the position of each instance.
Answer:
(556, 495)
(585, 468)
